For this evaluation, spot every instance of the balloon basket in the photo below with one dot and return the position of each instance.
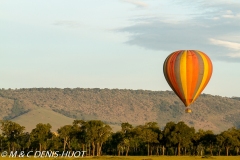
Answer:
(188, 110)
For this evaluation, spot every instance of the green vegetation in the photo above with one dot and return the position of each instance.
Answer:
(17, 109)
(97, 139)
(114, 106)
(137, 158)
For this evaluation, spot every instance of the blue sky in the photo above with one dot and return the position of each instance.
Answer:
(115, 43)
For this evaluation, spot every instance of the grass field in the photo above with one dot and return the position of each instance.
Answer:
(163, 158)
(137, 158)
(43, 115)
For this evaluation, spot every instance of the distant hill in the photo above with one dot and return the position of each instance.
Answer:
(37, 115)
(114, 106)
(42, 115)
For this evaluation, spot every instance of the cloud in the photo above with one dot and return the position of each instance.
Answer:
(230, 14)
(227, 44)
(209, 31)
(137, 3)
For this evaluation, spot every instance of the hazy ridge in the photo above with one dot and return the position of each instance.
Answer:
(60, 106)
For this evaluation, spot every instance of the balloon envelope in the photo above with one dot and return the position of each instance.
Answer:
(187, 72)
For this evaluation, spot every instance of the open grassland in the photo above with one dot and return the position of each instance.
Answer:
(42, 115)
(136, 158)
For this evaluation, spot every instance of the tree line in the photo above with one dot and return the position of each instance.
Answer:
(96, 138)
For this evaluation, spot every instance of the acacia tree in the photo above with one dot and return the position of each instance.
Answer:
(203, 139)
(25, 141)
(166, 132)
(12, 131)
(41, 134)
(97, 133)
(103, 134)
(150, 135)
(114, 142)
(65, 134)
(128, 135)
(228, 139)
(178, 134)
(79, 135)
(238, 144)
(55, 142)
(208, 140)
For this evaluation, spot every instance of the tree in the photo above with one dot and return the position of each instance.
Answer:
(41, 134)
(203, 139)
(24, 141)
(55, 142)
(97, 133)
(128, 134)
(116, 141)
(228, 139)
(178, 134)
(12, 131)
(150, 135)
(208, 140)
(79, 136)
(65, 133)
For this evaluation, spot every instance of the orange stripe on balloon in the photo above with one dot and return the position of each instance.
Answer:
(209, 66)
(189, 77)
(200, 72)
(171, 74)
(194, 75)
(205, 77)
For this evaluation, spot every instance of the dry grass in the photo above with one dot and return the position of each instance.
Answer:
(136, 158)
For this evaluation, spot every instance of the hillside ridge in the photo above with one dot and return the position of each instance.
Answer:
(115, 106)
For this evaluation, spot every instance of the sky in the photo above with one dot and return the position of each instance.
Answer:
(115, 43)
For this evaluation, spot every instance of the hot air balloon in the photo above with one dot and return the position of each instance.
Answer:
(187, 73)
